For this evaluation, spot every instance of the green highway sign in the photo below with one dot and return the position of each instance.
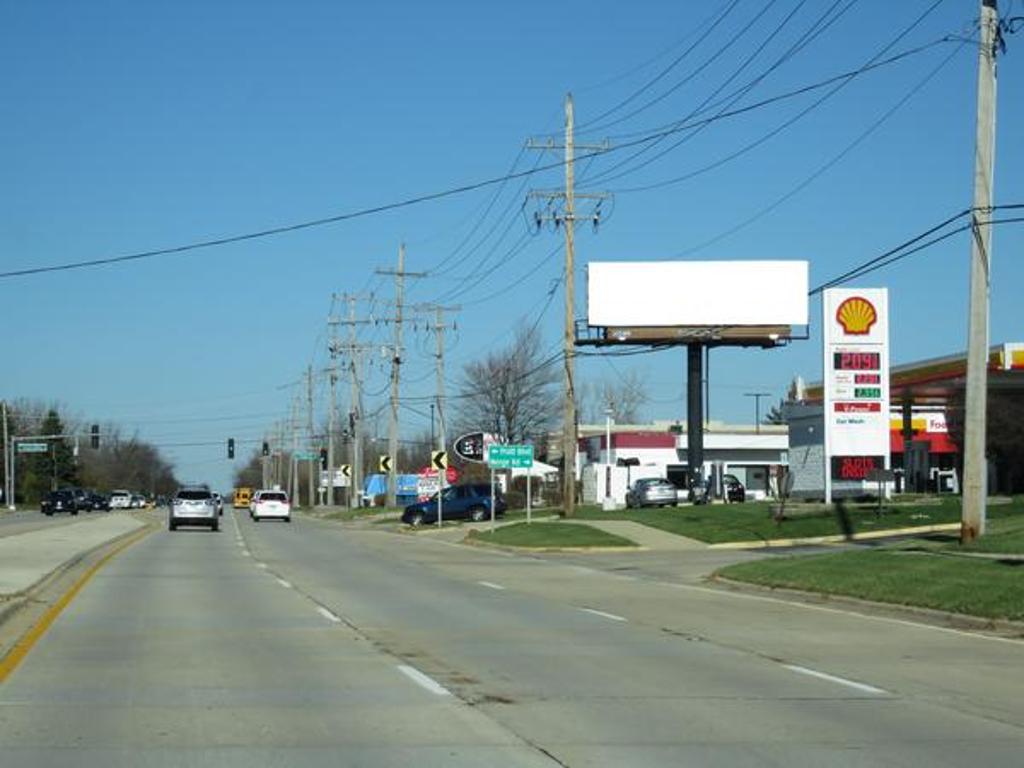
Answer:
(510, 456)
(306, 456)
(33, 447)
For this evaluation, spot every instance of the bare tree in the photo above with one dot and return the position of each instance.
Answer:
(510, 392)
(626, 397)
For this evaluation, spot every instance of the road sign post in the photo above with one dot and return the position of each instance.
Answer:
(510, 457)
(439, 461)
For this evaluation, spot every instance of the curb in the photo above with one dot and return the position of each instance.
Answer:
(963, 621)
(836, 539)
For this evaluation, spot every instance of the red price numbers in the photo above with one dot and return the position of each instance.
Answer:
(857, 361)
(854, 467)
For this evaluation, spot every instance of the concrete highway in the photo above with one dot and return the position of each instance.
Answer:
(317, 644)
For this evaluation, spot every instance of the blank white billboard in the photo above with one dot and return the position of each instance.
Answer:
(696, 293)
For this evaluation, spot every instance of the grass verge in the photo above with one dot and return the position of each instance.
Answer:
(720, 523)
(980, 587)
(550, 535)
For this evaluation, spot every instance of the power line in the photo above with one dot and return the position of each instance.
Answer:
(675, 128)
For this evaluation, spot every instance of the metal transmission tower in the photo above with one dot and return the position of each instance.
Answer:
(972, 522)
(567, 217)
(396, 361)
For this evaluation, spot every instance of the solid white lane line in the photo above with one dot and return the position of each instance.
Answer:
(833, 679)
(490, 585)
(611, 616)
(285, 584)
(423, 680)
(327, 614)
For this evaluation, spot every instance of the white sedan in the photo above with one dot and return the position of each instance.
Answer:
(271, 505)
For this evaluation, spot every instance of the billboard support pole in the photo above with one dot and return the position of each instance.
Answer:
(694, 411)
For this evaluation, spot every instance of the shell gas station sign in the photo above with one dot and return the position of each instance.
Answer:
(856, 377)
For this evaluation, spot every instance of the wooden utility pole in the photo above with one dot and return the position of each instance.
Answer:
(314, 462)
(972, 522)
(568, 220)
(8, 460)
(332, 348)
(569, 438)
(396, 362)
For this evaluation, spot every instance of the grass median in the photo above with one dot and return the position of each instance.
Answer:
(753, 521)
(549, 536)
(931, 573)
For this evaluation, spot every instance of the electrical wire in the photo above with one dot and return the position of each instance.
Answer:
(818, 172)
(419, 199)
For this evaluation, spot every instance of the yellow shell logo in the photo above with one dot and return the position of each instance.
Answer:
(856, 315)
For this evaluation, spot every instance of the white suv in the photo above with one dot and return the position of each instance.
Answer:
(120, 500)
(194, 505)
(271, 504)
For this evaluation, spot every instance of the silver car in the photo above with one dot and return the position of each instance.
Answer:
(193, 505)
(651, 492)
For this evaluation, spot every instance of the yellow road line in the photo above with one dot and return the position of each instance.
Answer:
(25, 643)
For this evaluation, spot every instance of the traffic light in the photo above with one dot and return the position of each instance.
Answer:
(94, 436)
(266, 448)
(231, 447)
(323, 458)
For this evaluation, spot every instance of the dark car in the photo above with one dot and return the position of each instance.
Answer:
(459, 502)
(96, 502)
(734, 490)
(59, 501)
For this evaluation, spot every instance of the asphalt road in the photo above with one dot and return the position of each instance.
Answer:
(314, 644)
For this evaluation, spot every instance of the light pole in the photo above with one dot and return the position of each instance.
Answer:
(757, 407)
(609, 502)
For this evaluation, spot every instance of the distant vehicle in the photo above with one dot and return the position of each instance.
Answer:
(193, 505)
(242, 498)
(270, 504)
(459, 502)
(120, 499)
(220, 504)
(94, 502)
(137, 501)
(59, 501)
(652, 492)
(734, 490)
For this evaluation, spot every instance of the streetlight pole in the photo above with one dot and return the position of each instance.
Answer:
(609, 502)
(757, 408)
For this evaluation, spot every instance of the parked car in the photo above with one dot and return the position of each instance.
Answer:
(733, 488)
(651, 492)
(271, 504)
(193, 505)
(120, 499)
(59, 501)
(459, 502)
(94, 502)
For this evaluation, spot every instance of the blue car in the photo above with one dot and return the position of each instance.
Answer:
(460, 502)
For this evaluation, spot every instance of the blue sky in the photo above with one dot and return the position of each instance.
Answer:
(132, 126)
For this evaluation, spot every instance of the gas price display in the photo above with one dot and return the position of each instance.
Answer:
(857, 361)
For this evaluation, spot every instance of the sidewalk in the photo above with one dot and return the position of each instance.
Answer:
(28, 558)
(644, 535)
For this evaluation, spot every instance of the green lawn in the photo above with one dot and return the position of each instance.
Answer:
(981, 587)
(753, 521)
(555, 535)
(1005, 536)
